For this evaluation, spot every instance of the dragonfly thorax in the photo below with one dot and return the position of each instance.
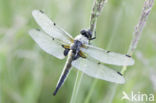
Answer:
(75, 47)
(82, 39)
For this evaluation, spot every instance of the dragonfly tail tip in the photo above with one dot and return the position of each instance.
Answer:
(54, 93)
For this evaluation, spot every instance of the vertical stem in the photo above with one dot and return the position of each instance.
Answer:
(76, 86)
(139, 28)
(90, 91)
(148, 4)
(97, 9)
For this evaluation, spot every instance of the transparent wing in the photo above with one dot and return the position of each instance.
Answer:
(50, 27)
(107, 56)
(94, 69)
(48, 44)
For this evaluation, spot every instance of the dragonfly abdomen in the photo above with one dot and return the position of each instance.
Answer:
(63, 77)
(65, 72)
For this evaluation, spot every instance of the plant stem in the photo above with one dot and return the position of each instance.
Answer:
(96, 11)
(148, 4)
(76, 86)
(97, 8)
(138, 29)
(91, 91)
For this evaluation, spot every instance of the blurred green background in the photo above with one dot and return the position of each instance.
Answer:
(29, 75)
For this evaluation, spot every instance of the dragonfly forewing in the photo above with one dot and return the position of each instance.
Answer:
(107, 57)
(50, 27)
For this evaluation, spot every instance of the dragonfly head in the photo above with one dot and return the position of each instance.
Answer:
(87, 34)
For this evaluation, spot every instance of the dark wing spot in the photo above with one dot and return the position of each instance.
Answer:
(119, 73)
(38, 29)
(108, 52)
(128, 55)
(41, 11)
(98, 63)
(53, 39)
(54, 23)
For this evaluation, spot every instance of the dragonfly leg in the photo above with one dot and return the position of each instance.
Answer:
(93, 37)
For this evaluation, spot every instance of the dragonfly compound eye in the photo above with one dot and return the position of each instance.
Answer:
(85, 33)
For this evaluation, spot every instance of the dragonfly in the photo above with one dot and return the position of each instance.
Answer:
(80, 53)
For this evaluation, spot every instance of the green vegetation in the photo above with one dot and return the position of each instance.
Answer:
(29, 75)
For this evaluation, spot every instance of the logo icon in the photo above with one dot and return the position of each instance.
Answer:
(125, 96)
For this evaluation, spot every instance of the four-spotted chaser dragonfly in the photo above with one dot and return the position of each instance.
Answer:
(81, 55)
